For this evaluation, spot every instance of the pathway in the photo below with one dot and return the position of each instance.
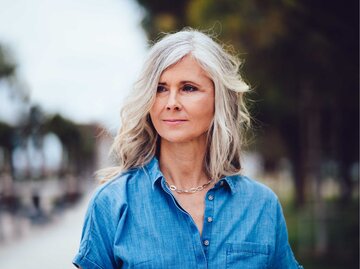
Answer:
(50, 246)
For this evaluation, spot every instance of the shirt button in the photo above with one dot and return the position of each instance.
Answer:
(210, 197)
(221, 182)
(209, 219)
(206, 242)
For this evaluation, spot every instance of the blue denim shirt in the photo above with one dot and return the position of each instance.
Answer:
(133, 221)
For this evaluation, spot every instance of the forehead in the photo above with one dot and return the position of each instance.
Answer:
(187, 68)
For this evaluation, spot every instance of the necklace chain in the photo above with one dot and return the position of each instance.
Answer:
(191, 190)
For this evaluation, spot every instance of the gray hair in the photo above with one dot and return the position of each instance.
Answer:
(137, 140)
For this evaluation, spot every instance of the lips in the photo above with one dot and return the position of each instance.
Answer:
(174, 121)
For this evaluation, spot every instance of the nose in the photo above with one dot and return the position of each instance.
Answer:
(173, 102)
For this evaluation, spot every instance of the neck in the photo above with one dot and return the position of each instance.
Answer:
(183, 163)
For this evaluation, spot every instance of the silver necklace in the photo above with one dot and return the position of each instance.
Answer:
(191, 190)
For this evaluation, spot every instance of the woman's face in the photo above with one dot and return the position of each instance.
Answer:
(184, 103)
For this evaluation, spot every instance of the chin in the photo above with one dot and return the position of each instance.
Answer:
(182, 138)
(176, 139)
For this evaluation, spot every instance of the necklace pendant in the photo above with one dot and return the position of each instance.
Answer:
(172, 187)
(191, 190)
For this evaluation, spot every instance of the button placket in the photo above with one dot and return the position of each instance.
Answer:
(208, 220)
(199, 248)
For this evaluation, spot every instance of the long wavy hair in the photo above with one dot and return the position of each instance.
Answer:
(137, 141)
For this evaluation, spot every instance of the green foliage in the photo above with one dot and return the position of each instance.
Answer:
(301, 58)
(78, 140)
(66, 130)
(342, 233)
(163, 16)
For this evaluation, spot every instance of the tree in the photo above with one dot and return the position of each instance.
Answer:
(302, 60)
(7, 132)
(77, 140)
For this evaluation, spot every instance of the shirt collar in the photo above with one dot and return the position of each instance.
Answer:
(232, 182)
(153, 170)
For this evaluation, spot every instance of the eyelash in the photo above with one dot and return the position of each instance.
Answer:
(185, 88)
(160, 88)
(189, 88)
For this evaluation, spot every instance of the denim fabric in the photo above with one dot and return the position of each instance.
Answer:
(133, 221)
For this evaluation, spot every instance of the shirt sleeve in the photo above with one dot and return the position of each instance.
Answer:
(283, 257)
(96, 246)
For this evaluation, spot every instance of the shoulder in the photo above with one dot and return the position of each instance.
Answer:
(253, 190)
(254, 186)
(258, 196)
(114, 192)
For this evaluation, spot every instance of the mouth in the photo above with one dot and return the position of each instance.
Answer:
(174, 121)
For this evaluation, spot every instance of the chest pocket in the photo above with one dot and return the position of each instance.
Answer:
(247, 255)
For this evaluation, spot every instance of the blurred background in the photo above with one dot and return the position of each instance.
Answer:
(66, 66)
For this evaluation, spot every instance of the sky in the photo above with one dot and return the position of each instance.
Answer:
(78, 58)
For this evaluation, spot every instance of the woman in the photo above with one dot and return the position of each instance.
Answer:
(178, 199)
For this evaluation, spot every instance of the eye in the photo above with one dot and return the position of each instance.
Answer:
(160, 88)
(189, 88)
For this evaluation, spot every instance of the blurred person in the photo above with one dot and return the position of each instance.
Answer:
(177, 198)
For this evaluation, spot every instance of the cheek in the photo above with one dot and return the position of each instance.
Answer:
(209, 117)
(153, 119)
(156, 108)
(204, 117)
(206, 110)
(210, 114)
(154, 114)
(151, 114)
(154, 111)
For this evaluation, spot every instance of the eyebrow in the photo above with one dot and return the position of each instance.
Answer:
(181, 83)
